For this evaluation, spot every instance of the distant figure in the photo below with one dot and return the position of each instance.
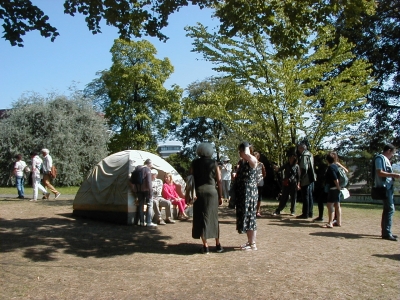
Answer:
(47, 164)
(19, 168)
(226, 170)
(306, 163)
(290, 185)
(246, 195)
(159, 201)
(384, 178)
(207, 179)
(35, 169)
(260, 182)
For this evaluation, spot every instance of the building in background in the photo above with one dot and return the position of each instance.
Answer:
(169, 147)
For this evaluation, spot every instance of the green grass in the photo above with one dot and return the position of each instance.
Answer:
(68, 190)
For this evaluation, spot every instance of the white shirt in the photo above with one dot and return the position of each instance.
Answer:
(20, 166)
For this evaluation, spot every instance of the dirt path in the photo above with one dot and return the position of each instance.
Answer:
(46, 253)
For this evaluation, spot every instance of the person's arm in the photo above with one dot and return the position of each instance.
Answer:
(264, 173)
(344, 168)
(218, 180)
(379, 166)
(15, 169)
(252, 160)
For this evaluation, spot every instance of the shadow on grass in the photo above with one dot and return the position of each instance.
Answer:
(43, 238)
(344, 235)
(389, 256)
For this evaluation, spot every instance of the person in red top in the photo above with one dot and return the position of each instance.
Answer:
(169, 193)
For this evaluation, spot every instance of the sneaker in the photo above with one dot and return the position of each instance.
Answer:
(169, 221)
(219, 248)
(205, 250)
(161, 222)
(47, 196)
(245, 246)
(301, 217)
(276, 213)
(57, 195)
(292, 214)
(151, 225)
(318, 219)
(33, 200)
(44, 197)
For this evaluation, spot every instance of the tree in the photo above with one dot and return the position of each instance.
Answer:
(205, 129)
(317, 94)
(287, 24)
(74, 133)
(180, 162)
(377, 38)
(132, 18)
(138, 108)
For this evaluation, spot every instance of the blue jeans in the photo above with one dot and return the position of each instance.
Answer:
(387, 214)
(143, 198)
(19, 180)
(308, 201)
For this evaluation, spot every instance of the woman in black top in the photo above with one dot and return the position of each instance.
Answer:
(332, 179)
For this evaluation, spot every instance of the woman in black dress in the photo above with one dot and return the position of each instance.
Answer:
(247, 195)
(208, 186)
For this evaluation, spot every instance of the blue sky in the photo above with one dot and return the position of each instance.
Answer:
(76, 55)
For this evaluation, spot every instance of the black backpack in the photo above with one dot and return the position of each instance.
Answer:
(137, 176)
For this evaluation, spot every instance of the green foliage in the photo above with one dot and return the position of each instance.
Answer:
(132, 18)
(205, 129)
(287, 24)
(180, 162)
(278, 100)
(68, 126)
(137, 106)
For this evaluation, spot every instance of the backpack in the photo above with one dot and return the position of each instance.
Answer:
(137, 176)
(343, 180)
(53, 172)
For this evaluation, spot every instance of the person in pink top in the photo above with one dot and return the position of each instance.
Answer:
(169, 193)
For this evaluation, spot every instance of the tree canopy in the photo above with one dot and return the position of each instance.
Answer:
(131, 18)
(317, 94)
(137, 106)
(74, 133)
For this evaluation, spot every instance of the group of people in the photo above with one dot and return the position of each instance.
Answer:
(39, 172)
(156, 195)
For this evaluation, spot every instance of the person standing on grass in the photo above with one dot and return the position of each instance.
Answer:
(19, 167)
(332, 178)
(226, 170)
(247, 195)
(385, 177)
(260, 182)
(306, 163)
(36, 176)
(47, 164)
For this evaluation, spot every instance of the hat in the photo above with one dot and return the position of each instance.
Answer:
(45, 151)
(225, 158)
(154, 171)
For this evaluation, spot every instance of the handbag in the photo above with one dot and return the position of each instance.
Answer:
(344, 193)
(378, 193)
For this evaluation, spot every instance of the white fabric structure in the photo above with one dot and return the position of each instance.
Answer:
(105, 194)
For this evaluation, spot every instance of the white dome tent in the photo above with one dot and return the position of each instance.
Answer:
(105, 194)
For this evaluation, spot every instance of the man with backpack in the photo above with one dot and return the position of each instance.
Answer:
(307, 179)
(384, 177)
(141, 184)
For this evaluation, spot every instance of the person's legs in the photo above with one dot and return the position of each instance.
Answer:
(141, 207)
(305, 198)
(19, 182)
(149, 210)
(387, 214)
(283, 200)
(167, 205)
(310, 200)
(47, 184)
(156, 209)
(331, 212)
(293, 198)
(338, 213)
(35, 182)
(225, 188)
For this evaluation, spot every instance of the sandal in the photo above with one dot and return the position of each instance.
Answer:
(327, 226)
